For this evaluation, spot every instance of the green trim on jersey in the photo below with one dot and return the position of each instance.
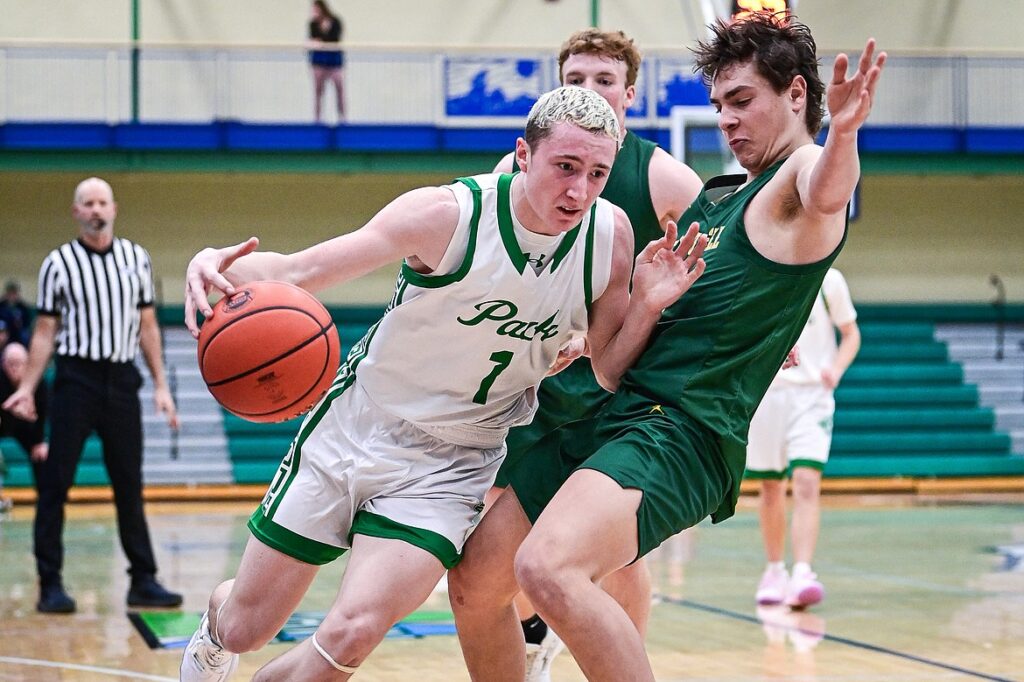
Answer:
(568, 240)
(588, 261)
(807, 464)
(766, 475)
(375, 525)
(435, 281)
(508, 233)
(289, 467)
(772, 475)
(291, 543)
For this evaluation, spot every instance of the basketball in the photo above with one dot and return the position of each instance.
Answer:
(269, 351)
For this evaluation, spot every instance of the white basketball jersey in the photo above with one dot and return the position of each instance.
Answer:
(832, 309)
(469, 347)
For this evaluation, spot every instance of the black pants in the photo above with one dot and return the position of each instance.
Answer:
(102, 397)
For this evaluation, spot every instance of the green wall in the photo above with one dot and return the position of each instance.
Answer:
(920, 237)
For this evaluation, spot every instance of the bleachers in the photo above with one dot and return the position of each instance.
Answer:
(903, 409)
(19, 471)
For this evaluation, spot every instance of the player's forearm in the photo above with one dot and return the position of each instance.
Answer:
(849, 346)
(834, 175)
(149, 342)
(258, 266)
(625, 347)
(39, 354)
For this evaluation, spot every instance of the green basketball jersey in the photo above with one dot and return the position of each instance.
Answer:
(629, 188)
(714, 352)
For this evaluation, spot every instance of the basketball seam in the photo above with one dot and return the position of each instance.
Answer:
(250, 314)
(323, 332)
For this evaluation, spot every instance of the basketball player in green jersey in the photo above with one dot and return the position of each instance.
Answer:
(652, 188)
(669, 449)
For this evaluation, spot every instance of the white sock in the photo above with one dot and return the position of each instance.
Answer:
(777, 565)
(802, 568)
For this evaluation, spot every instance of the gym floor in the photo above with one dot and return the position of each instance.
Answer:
(919, 587)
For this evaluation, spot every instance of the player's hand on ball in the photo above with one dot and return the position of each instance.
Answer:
(204, 273)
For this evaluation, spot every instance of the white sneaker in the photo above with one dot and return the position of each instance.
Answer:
(772, 588)
(204, 659)
(804, 590)
(539, 657)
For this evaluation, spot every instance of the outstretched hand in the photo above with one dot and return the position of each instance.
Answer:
(849, 99)
(665, 269)
(204, 273)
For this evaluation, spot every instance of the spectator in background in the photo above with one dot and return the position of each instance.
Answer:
(95, 311)
(791, 433)
(15, 313)
(29, 434)
(5, 334)
(325, 29)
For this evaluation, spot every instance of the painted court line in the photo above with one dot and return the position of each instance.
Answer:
(113, 672)
(839, 640)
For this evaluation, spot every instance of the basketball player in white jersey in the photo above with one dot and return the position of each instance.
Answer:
(394, 462)
(791, 433)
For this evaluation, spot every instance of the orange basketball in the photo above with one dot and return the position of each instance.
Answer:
(269, 351)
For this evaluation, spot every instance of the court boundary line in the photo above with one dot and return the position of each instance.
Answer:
(85, 668)
(689, 603)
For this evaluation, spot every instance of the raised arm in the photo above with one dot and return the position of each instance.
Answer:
(419, 224)
(826, 184)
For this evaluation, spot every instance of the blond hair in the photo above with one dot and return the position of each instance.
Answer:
(571, 104)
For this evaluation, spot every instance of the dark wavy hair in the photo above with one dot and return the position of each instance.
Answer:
(780, 47)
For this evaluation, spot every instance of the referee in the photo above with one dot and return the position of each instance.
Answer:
(95, 311)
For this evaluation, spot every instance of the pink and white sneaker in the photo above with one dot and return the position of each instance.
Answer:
(772, 588)
(804, 590)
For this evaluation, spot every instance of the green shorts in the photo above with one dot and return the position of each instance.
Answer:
(663, 452)
(570, 395)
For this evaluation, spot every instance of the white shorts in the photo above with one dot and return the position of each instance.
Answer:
(354, 468)
(792, 427)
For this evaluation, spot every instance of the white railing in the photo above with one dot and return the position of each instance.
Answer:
(428, 85)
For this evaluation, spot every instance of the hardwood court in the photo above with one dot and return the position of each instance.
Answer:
(919, 588)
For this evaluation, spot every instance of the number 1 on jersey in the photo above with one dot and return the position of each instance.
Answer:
(501, 360)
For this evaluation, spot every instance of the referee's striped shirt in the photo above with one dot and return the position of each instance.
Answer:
(97, 296)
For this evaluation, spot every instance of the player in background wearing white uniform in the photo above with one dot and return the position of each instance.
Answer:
(393, 463)
(791, 433)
